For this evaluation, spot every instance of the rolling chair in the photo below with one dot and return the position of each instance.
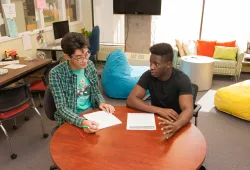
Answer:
(197, 107)
(13, 102)
(50, 109)
(94, 41)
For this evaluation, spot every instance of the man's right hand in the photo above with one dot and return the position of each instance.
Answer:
(93, 126)
(169, 114)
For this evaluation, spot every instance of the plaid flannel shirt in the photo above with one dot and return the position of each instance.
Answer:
(63, 85)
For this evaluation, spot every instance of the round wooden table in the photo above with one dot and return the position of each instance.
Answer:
(116, 148)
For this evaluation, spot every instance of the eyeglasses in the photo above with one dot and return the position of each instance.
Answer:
(84, 56)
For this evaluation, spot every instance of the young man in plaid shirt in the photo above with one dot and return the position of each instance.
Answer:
(74, 84)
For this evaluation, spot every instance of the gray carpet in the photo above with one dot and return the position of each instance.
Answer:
(228, 138)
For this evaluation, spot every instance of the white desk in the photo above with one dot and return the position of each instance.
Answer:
(53, 49)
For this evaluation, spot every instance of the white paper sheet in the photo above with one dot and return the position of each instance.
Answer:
(207, 101)
(104, 119)
(14, 66)
(9, 10)
(141, 121)
(26, 41)
(2, 63)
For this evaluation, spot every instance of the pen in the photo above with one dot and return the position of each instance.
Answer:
(84, 127)
(80, 133)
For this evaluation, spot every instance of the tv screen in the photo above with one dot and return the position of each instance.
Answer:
(145, 7)
(60, 29)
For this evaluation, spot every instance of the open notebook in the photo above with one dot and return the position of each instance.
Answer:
(104, 119)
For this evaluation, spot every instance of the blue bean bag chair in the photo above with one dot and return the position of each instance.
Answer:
(118, 77)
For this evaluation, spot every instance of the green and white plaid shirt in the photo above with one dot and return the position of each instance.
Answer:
(63, 85)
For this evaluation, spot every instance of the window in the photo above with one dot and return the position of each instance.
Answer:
(28, 17)
(179, 19)
(2, 25)
(71, 10)
(25, 15)
(226, 22)
(51, 12)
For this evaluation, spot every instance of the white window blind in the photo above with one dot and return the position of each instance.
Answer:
(179, 19)
(226, 20)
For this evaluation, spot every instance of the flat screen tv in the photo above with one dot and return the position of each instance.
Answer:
(143, 7)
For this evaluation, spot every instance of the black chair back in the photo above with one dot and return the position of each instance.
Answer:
(47, 70)
(49, 104)
(195, 89)
(14, 97)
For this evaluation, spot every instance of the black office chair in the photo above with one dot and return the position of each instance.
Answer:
(197, 107)
(50, 109)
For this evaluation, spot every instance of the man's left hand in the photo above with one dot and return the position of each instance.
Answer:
(169, 128)
(107, 107)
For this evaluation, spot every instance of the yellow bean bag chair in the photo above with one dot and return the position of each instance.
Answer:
(234, 100)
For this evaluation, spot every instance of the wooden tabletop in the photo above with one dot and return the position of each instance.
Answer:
(17, 74)
(116, 148)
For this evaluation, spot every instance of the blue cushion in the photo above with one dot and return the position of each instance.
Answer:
(118, 77)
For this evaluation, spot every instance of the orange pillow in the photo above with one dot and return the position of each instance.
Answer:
(205, 48)
(227, 44)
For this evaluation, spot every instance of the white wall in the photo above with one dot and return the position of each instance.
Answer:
(111, 26)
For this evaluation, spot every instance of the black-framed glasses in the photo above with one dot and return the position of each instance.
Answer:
(84, 56)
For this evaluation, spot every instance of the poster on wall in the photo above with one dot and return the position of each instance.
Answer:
(9, 10)
(41, 4)
(12, 29)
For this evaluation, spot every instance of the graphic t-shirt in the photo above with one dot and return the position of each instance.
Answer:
(83, 91)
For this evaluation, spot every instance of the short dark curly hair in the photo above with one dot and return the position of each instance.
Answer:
(72, 41)
(164, 50)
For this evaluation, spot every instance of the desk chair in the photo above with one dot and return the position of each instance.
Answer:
(13, 102)
(197, 107)
(39, 86)
(50, 109)
(94, 42)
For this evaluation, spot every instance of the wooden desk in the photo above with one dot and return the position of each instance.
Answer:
(116, 148)
(17, 74)
(53, 49)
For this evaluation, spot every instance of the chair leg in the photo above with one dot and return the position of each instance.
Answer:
(40, 100)
(26, 118)
(195, 121)
(53, 167)
(236, 78)
(12, 155)
(14, 126)
(45, 135)
(239, 76)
